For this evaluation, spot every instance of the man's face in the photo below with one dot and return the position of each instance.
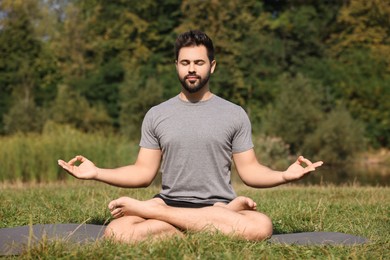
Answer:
(194, 68)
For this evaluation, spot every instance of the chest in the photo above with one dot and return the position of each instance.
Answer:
(194, 129)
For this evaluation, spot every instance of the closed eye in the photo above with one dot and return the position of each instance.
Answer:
(200, 62)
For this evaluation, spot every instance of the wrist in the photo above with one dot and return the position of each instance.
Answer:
(97, 173)
(284, 178)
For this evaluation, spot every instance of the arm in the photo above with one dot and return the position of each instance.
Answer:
(140, 174)
(256, 175)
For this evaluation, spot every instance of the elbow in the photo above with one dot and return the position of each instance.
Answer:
(249, 184)
(144, 184)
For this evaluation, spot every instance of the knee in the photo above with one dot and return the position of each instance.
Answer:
(112, 231)
(120, 229)
(262, 229)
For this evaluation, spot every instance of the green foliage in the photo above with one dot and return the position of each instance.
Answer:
(72, 109)
(365, 84)
(336, 139)
(272, 151)
(25, 68)
(296, 111)
(23, 116)
(244, 56)
(304, 116)
(117, 59)
(33, 157)
(136, 99)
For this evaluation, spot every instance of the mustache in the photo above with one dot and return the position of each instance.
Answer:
(192, 75)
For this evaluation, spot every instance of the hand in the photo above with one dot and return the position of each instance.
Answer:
(296, 171)
(86, 170)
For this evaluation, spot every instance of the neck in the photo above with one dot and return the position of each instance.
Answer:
(195, 97)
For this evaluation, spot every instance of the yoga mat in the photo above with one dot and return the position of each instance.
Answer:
(16, 239)
(318, 238)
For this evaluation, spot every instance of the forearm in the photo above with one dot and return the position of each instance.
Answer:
(259, 176)
(131, 176)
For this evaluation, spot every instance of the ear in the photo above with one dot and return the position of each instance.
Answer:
(213, 65)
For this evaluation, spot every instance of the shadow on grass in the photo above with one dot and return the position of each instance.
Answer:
(278, 231)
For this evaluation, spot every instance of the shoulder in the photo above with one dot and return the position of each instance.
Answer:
(228, 106)
(163, 107)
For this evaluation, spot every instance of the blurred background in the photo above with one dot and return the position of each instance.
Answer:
(78, 76)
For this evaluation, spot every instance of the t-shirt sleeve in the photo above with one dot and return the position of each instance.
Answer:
(149, 138)
(242, 139)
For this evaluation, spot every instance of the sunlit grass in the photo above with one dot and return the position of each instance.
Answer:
(362, 211)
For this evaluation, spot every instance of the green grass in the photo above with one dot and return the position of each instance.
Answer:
(362, 211)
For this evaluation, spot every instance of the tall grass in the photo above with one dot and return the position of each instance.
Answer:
(33, 157)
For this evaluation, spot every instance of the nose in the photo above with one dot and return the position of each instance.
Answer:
(191, 68)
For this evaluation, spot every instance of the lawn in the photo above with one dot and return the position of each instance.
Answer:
(362, 211)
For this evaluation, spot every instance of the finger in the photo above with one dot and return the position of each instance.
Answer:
(81, 158)
(73, 161)
(308, 170)
(313, 166)
(118, 215)
(317, 164)
(116, 211)
(304, 160)
(299, 160)
(64, 165)
(60, 161)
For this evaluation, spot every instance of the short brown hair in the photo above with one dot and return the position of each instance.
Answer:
(194, 38)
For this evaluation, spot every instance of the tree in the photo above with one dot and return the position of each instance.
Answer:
(296, 112)
(118, 39)
(137, 97)
(24, 67)
(359, 48)
(71, 108)
(337, 139)
(363, 24)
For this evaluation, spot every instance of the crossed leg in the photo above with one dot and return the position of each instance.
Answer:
(134, 229)
(138, 220)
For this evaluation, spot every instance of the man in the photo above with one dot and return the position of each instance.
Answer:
(192, 138)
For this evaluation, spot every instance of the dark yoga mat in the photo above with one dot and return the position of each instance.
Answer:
(317, 238)
(14, 240)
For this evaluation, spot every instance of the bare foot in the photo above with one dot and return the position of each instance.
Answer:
(238, 204)
(126, 206)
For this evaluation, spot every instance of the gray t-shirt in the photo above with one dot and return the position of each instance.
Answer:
(197, 141)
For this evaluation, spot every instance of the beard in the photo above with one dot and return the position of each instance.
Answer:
(193, 88)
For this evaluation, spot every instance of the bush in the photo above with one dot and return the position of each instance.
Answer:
(70, 108)
(337, 139)
(296, 111)
(272, 151)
